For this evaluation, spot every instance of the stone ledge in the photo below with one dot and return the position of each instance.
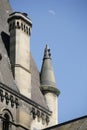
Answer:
(46, 89)
(25, 99)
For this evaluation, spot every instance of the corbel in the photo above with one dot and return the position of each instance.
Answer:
(12, 101)
(33, 113)
(2, 96)
(7, 98)
(43, 118)
(16, 102)
(38, 115)
(47, 119)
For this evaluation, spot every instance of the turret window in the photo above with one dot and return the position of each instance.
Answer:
(22, 26)
(18, 26)
(27, 30)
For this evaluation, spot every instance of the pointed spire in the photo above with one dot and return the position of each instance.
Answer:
(47, 73)
(47, 77)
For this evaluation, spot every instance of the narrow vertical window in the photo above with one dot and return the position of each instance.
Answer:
(6, 122)
(18, 26)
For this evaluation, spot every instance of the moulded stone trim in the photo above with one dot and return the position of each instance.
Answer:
(46, 89)
(4, 95)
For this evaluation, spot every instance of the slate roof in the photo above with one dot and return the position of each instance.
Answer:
(36, 94)
(5, 71)
(75, 124)
(5, 67)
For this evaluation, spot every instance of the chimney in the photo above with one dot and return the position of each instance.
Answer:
(20, 31)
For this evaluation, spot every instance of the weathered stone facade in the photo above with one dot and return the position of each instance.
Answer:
(19, 28)
(28, 99)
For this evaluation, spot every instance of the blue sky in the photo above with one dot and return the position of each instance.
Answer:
(62, 24)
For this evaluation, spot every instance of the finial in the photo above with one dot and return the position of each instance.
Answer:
(47, 54)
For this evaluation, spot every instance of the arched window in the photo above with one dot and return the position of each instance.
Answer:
(18, 26)
(6, 122)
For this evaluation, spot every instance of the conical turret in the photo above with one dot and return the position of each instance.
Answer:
(47, 77)
(48, 86)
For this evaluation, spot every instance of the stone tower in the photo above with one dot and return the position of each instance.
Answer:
(48, 86)
(28, 99)
(20, 30)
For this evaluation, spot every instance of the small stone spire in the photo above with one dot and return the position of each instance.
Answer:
(47, 77)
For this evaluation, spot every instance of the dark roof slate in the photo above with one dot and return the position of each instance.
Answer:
(5, 10)
(5, 68)
(36, 94)
(75, 124)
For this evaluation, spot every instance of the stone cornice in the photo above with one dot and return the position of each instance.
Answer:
(47, 89)
(27, 100)
(18, 15)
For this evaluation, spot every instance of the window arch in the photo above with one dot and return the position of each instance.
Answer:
(6, 122)
(7, 118)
